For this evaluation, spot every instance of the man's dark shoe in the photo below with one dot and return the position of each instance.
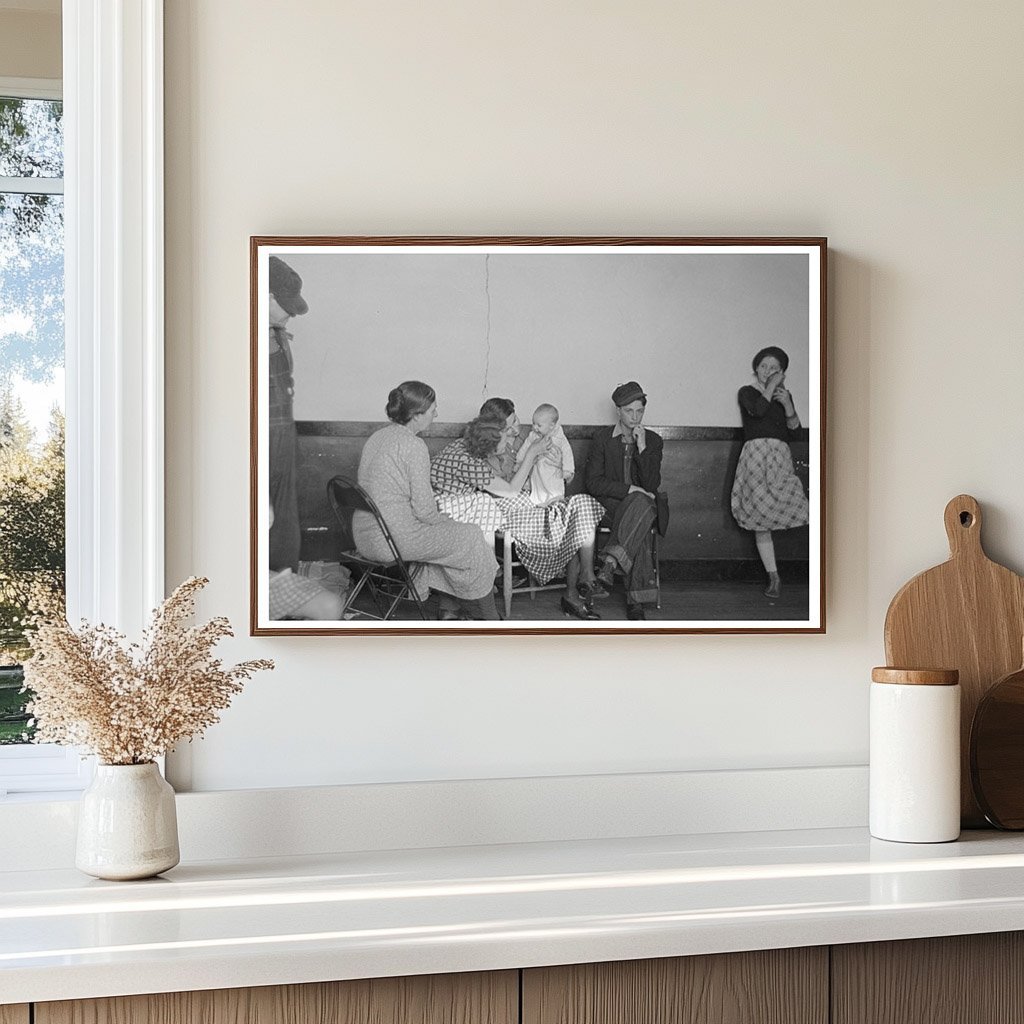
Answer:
(635, 612)
(606, 574)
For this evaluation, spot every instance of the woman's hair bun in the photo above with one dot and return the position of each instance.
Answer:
(409, 399)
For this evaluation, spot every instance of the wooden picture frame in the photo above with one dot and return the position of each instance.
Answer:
(559, 321)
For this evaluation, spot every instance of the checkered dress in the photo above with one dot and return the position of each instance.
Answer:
(458, 479)
(454, 471)
(548, 536)
(767, 494)
(478, 508)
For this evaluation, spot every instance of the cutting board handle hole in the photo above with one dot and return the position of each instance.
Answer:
(962, 519)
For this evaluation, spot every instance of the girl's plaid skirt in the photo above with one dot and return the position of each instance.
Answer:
(767, 494)
(548, 536)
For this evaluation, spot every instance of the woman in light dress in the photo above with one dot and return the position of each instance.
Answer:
(394, 470)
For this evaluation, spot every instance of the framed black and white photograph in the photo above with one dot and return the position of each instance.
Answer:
(537, 435)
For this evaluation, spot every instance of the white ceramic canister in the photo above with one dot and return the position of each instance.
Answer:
(915, 755)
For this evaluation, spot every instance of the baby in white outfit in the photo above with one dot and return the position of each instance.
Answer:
(556, 467)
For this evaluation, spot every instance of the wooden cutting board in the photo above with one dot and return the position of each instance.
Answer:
(967, 614)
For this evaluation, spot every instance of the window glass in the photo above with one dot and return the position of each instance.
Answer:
(31, 138)
(31, 385)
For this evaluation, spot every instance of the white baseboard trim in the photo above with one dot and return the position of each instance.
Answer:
(240, 824)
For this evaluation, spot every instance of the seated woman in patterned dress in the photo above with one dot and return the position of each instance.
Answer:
(550, 540)
(467, 504)
(395, 471)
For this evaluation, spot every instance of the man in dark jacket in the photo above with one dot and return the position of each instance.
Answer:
(624, 473)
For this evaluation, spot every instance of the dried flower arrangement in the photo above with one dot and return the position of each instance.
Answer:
(129, 704)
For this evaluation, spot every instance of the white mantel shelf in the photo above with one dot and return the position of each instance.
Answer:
(225, 924)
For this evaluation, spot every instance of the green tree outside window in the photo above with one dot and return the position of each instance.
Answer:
(31, 352)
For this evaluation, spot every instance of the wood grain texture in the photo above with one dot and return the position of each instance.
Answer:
(480, 998)
(915, 676)
(778, 986)
(967, 614)
(963, 979)
(16, 1013)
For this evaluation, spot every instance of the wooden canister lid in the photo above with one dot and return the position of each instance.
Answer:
(916, 676)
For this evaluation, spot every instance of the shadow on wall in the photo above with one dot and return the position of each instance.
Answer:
(703, 540)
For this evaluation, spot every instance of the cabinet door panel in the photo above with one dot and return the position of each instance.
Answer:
(961, 979)
(14, 1014)
(778, 986)
(482, 998)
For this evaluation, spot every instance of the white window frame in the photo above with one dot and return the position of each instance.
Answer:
(32, 88)
(114, 336)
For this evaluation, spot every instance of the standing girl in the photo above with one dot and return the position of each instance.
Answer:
(767, 494)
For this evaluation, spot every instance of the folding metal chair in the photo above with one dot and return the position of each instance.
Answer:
(387, 582)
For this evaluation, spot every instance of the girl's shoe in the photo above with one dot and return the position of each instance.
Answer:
(774, 587)
(578, 611)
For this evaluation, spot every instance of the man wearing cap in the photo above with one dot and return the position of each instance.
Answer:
(624, 473)
(286, 301)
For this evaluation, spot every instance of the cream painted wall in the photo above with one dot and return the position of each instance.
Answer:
(894, 129)
(29, 44)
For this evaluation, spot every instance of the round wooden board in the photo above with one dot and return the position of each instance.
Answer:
(997, 752)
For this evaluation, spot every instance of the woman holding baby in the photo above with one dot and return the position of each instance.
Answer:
(553, 533)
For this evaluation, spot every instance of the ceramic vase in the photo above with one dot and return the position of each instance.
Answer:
(127, 825)
(915, 755)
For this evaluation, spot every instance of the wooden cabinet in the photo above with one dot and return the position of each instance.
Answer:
(777, 986)
(491, 998)
(967, 979)
(963, 979)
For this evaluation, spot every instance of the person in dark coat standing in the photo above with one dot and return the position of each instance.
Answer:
(286, 301)
(624, 473)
